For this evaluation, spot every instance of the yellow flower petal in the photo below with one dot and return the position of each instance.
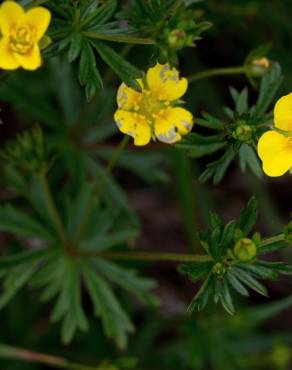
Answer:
(165, 82)
(172, 124)
(127, 97)
(135, 125)
(283, 113)
(7, 58)
(31, 60)
(275, 150)
(38, 18)
(10, 14)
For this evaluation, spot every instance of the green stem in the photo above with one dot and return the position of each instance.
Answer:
(9, 352)
(147, 256)
(99, 188)
(119, 38)
(117, 153)
(216, 72)
(53, 211)
(273, 239)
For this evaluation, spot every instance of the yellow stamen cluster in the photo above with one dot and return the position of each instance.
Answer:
(21, 39)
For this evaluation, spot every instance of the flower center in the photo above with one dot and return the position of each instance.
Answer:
(150, 106)
(21, 39)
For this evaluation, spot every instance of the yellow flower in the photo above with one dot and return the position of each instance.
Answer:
(21, 32)
(151, 112)
(275, 147)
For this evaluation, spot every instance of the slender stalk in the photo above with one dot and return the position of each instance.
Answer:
(148, 256)
(273, 239)
(53, 211)
(160, 256)
(216, 72)
(116, 155)
(119, 38)
(100, 187)
(22, 354)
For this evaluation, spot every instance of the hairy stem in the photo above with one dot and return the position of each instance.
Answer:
(216, 72)
(148, 256)
(119, 38)
(22, 354)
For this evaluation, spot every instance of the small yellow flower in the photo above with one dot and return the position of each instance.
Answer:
(275, 147)
(21, 32)
(151, 112)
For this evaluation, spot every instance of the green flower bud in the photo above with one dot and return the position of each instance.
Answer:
(245, 250)
(219, 269)
(258, 67)
(243, 132)
(177, 39)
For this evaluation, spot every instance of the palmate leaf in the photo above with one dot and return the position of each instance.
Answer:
(116, 322)
(128, 280)
(60, 276)
(84, 41)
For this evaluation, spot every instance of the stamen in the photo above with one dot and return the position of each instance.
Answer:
(21, 39)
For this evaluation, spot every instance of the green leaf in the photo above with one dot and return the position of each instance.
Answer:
(75, 46)
(210, 121)
(128, 280)
(227, 238)
(248, 217)
(68, 305)
(260, 271)
(214, 242)
(88, 72)
(124, 69)
(15, 280)
(236, 284)
(196, 271)
(269, 85)
(22, 258)
(115, 321)
(225, 297)
(15, 221)
(272, 247)
(100, 15)
(217, 169)
(107, 241)
(200, 300)
(248, 158)
(248, 280)
(240, 99)
(279, 267)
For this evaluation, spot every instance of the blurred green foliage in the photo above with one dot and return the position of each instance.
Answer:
(68, 158)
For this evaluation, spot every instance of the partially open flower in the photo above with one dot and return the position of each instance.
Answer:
(21, 33)
(275, 147)
(151, 112)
